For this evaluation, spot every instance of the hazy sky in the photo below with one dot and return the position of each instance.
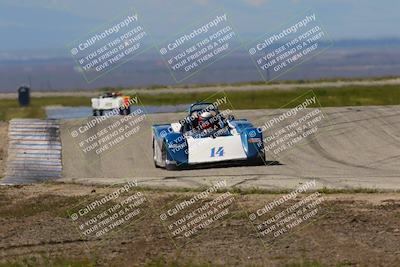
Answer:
(51, 24)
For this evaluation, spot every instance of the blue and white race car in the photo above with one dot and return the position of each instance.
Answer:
(206, 136)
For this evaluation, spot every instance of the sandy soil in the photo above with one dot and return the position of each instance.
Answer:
(3, 147)
(349, 230)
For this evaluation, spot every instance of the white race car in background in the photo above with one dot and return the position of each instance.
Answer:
(111, 101)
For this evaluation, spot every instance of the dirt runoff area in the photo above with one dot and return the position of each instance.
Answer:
(3, 147)
(76, 225)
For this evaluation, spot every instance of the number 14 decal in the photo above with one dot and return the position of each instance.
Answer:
(217, 152)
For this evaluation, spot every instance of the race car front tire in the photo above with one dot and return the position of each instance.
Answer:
(168, 166)
(155, 146)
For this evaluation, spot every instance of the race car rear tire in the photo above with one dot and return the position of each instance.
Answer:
(260, 159)
(124, 111)
(97, 112)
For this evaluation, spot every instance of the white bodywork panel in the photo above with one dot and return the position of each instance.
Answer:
(176, 127)
(107, 103)
(215, 149)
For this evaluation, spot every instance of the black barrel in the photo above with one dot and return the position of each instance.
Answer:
(24, 96)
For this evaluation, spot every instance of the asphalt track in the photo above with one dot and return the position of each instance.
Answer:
(355, 147)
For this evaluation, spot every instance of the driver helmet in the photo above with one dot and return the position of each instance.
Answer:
(205, 120)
